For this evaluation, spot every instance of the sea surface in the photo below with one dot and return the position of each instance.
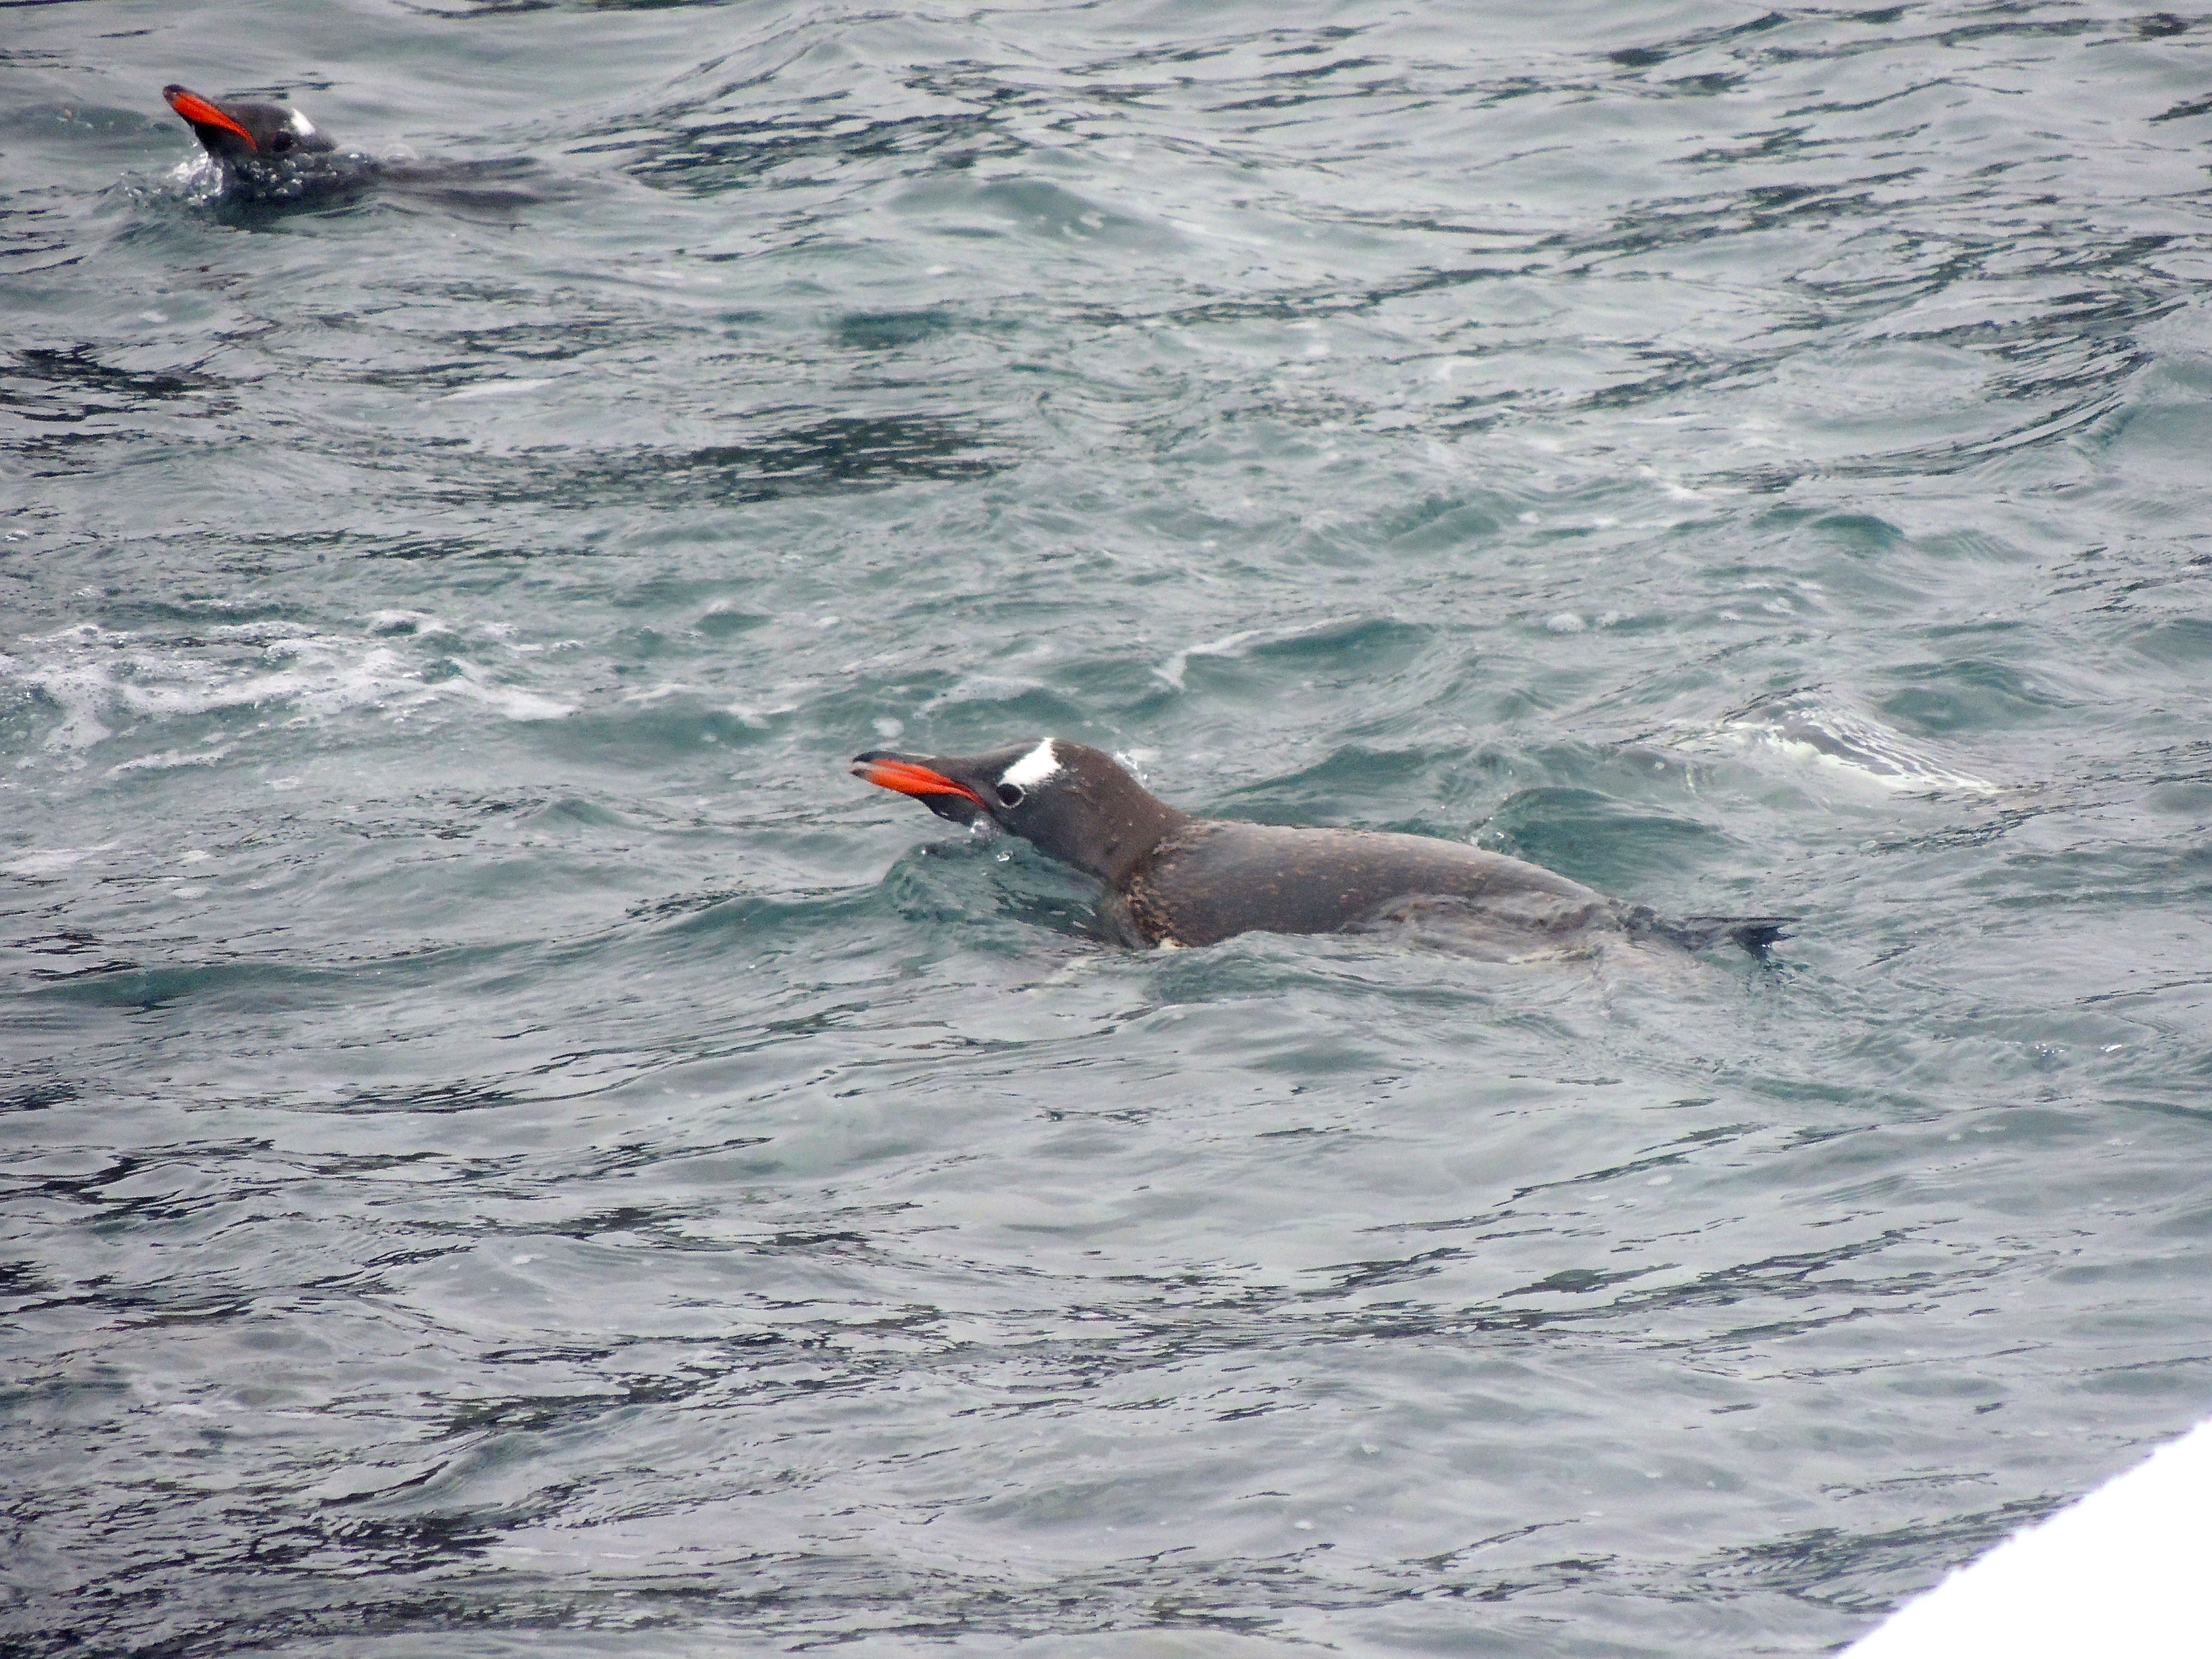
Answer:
(507, 1148)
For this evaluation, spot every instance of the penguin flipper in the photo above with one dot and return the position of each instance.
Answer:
(1754, 933)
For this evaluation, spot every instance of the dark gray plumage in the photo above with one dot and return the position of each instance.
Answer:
(267, 152)
(271, 155)
(1176, 879)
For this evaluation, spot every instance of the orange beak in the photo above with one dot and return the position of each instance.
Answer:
(201, 113)
(910, 779)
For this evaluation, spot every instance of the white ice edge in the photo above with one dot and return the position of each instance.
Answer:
(2123, 1572)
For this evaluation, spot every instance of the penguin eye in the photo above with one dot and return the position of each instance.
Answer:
(1011, 794)
(281, 142)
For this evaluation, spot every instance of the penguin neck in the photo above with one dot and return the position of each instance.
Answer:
(1133, 824)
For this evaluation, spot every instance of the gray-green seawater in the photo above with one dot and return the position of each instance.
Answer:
(508, 1148)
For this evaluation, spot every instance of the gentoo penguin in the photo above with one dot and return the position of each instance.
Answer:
(267, 152)
(1174, 879)
(271, 153)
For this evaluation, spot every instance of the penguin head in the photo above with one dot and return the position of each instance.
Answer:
(239, 132)
(1069, 800)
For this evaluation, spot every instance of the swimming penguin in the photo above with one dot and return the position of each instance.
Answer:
(1174, 879)
(271, 153)
(267, 152)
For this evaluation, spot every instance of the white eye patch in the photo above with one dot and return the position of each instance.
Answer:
(1034, 767)
(303, 125)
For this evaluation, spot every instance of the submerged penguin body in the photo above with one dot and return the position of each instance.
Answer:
(1173, 879)
(268, 152)
(1216, 878)
(271, 155)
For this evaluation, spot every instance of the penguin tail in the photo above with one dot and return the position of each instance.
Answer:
(1753, 934)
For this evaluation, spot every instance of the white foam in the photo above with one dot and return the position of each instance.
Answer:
(656, 693)
(1034, 767)
(417, 622)
(511, 701)
(252, 632)
(1212, 234)
(168, 759)
(1811, 733)
(1175, 667)
(494, 389)
(101, 679)
(53, 862)
(80, 692)
(971, 688)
